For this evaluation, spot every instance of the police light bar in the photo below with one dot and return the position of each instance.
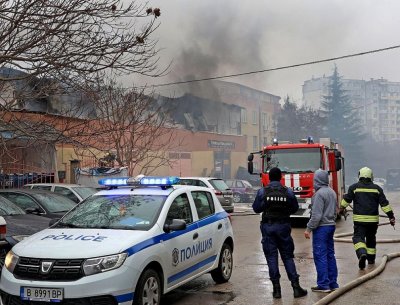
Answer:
(159, 181)
(117, 181)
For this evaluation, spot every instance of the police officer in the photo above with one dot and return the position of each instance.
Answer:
(366, 197)
(276, 203)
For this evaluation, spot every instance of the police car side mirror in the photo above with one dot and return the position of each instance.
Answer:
(175, 225)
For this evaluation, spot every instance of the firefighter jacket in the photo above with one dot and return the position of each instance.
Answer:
(366, 197)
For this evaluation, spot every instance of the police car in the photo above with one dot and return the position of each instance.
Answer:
(124, 245)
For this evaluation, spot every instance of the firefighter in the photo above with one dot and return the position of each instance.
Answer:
(276, 203)
(366, 197)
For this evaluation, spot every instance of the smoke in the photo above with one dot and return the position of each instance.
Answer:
(208, 38)
(216, 42)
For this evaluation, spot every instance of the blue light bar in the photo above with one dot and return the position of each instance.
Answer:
(159, 181)
(117, 181)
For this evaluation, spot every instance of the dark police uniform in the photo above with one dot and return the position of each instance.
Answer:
(366, 197)
(277, 203)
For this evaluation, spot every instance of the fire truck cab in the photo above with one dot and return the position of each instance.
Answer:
(298, 162)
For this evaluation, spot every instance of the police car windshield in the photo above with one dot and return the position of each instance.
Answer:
(128, 212)
(294, 160)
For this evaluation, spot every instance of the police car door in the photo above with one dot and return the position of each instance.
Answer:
(178, 245)
(210, 230)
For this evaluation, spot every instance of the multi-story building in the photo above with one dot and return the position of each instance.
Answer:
(215, 127)
(377, 102)
(227, 111)
(258, 113)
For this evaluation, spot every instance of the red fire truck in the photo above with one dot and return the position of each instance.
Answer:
(298, 162)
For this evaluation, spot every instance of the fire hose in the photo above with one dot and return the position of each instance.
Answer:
(385, 258)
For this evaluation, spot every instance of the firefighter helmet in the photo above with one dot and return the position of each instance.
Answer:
(366, 172)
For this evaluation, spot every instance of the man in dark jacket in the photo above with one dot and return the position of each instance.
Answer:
(323, 223)
(366, 197)
(277, 203)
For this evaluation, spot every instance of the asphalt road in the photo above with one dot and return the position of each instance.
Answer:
(250, 283)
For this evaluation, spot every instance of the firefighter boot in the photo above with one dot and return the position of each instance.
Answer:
(361, 261)
(276, 293)
(298, 292)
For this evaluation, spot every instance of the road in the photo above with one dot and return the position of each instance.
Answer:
(250, 283)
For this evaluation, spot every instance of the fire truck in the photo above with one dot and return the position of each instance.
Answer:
(298, 162)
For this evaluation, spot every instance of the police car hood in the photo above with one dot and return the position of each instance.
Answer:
(78, 243)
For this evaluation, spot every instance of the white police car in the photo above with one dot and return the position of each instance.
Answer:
(124, 245)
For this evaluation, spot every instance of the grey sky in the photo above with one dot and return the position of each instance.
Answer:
(212, 37)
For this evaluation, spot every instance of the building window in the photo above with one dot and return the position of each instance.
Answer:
(243, 113)
(265, 141)
(255, 143)
(265, 121)
(254, 117)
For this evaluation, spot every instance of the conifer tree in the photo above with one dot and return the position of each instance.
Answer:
(342, 123)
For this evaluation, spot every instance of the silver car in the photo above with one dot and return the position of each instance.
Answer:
(223, 192)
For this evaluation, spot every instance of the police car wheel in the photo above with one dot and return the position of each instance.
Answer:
(148, 289)
(224, 270)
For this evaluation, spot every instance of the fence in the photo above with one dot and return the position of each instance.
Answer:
(20, 174)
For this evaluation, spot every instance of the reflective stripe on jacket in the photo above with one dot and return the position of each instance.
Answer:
(366, 198)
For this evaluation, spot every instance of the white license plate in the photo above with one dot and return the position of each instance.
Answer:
(304, 206)
(42, 294)
(228, 196)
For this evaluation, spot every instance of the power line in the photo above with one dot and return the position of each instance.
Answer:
(278, 68)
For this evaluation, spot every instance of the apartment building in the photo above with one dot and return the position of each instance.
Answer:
(376, 101)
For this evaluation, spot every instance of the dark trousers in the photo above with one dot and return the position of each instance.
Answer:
(276, 237)
(364, 240)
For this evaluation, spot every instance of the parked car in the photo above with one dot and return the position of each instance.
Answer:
(393, 179)
(41, 203)
(123, 245)
(243, 191)
(75, 192)
(223, 192)
(380, 181)
(15, 225)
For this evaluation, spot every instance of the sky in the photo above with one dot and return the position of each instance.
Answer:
(207, 38)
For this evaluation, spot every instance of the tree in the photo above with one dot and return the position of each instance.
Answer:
(75, 40)
(297, 123)
(131, 125)
(52, 51)
(343, 124)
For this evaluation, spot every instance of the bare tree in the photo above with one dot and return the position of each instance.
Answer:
(51, 50)
(133, 126)
(76, 39)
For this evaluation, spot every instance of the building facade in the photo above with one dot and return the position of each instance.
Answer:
(259, 110)
(377, 102)
(216, 125)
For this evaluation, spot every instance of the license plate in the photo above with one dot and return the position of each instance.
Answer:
(304, 206)
(42, 294)
(228, 196)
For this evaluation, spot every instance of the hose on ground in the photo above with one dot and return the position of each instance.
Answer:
(343, 289)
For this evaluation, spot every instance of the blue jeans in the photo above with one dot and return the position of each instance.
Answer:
(324, 257)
